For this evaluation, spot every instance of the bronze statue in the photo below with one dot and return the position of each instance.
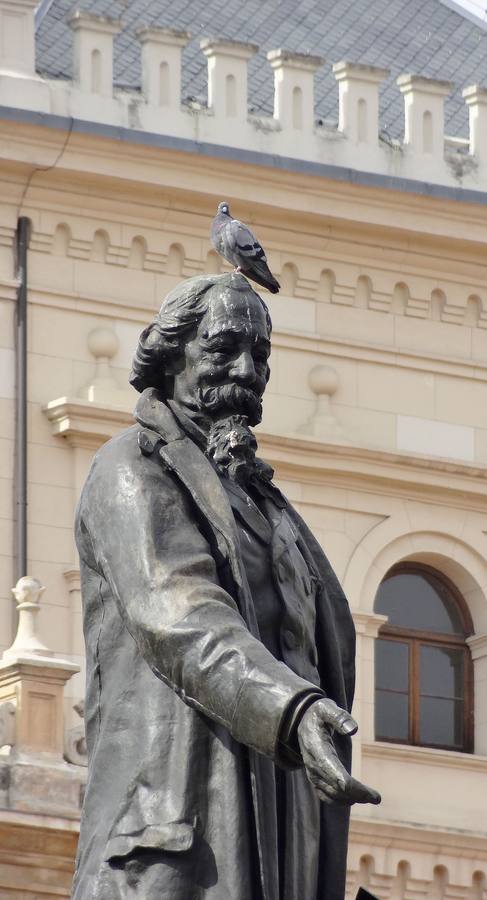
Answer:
(219, 644)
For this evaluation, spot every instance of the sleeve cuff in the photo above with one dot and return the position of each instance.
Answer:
(290, 754)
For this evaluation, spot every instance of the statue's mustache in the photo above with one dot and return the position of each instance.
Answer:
(232, 396)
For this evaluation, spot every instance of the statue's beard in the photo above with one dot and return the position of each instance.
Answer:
(232, 448)
(233, 398)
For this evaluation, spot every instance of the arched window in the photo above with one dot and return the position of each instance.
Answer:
(423, 667)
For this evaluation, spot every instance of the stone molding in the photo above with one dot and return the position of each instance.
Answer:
(72, 577)
(8, 290)
(368, 624)
(435, 840)
(425, 756)
(38, 854)
(478, 646)
(89, 425)
(86, 424)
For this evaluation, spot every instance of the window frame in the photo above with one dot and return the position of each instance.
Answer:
(415, 638)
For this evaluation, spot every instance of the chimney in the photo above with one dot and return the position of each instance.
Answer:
(358, 101)
(227, 76)
(17, 37)
(423, 111)
(161, 65)
(294, 88)
(93, 52)
(476, 99)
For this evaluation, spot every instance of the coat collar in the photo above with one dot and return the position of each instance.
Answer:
(151, 411)
(182, 455)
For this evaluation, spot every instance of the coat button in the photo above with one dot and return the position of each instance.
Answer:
(290, 639)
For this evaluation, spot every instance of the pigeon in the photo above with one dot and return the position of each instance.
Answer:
(236, 243)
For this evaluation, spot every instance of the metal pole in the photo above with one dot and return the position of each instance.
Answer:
(23, 225)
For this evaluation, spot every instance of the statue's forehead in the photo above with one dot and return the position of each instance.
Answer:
(235, 309)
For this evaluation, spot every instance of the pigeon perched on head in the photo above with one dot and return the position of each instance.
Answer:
(236, 243)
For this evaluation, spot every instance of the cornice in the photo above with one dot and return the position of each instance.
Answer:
(85, 424)
(313, 343)
(424, 756)
(89, 425)
(335, 193)
(413, 836)
(315, 461)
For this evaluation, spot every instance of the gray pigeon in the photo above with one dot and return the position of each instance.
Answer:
(236, 243)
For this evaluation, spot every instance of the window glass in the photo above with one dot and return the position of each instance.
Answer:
(391, 716)
(441, 671)
(391, 665)
(418, 600)
(441, 722)
(392, 686)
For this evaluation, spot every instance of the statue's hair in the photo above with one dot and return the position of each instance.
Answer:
(161, 343)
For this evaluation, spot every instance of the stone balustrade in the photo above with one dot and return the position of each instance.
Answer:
(292, 132)
(32, 728)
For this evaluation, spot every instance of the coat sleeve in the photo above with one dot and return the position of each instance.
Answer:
(138, 529)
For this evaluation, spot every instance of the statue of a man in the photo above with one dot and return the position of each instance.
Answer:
(219, 645)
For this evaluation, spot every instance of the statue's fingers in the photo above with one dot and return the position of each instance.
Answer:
(361, 793)
(330, 777)
(329, 798)
(330, 794)
(337, 718)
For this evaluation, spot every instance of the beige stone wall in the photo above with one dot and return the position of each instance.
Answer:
(383, 448)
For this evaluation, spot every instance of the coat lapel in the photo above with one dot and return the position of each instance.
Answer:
(193, 469)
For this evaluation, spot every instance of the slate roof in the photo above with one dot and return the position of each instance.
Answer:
(426, 37)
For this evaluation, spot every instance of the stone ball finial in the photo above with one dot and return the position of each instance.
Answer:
(103, 343)
(28, 590)
(323, 380)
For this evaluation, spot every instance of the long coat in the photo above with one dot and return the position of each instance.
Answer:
(184, 704)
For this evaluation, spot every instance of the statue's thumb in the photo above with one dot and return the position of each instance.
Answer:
(341, 721)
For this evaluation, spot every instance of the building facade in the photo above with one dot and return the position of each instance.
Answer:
(375, 417)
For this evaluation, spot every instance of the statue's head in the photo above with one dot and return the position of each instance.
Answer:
(208, 348)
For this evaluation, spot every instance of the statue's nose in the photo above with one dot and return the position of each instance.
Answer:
(243, 369)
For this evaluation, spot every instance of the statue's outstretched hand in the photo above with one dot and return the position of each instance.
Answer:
(323, 768)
